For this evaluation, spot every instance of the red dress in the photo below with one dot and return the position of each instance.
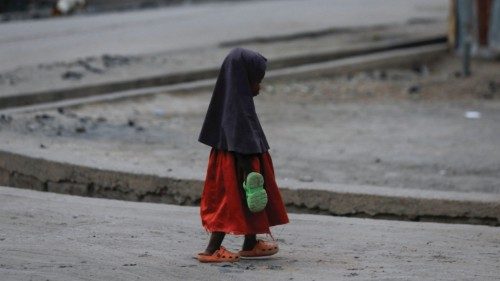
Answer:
(223, 207)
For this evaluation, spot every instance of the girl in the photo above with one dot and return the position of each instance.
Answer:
(239, 161)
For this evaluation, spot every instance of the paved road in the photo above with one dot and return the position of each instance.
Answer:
(149, 31)
(47, 236)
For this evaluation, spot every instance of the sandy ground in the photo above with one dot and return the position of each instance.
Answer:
(46, 236)
(400, 128)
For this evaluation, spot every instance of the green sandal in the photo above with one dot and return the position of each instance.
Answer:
(255, 193)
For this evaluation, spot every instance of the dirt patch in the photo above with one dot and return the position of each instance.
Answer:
(402, 128)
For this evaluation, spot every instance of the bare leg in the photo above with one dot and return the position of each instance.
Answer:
(249, 243)
(215, 242)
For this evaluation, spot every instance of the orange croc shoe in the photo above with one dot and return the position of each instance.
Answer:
(261, 249)
(221, 255)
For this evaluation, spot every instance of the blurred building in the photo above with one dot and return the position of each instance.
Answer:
(28, 9)
(66, 7)
(13, 5)
(16, 6)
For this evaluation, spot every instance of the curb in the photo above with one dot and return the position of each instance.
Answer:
(23, 99)
(23, 171)
(393, 58)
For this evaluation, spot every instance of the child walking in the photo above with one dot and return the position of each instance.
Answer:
(240, 195)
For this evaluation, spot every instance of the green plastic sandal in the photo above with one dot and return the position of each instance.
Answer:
(255, 193)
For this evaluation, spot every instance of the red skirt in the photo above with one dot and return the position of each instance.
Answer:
(223, 207)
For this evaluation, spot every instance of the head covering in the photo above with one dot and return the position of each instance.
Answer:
(231, 123)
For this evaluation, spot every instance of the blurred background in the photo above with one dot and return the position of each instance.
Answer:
(378, 97)
(25, 9)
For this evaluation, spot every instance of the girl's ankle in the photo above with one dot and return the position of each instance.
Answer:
(209, 251)
(249, 244)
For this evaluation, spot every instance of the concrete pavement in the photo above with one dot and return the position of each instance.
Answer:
(46, 236)
(333, 62)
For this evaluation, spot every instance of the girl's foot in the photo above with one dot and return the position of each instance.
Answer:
(261, 249)
(221, 255)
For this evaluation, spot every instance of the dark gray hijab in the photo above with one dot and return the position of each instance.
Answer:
(231, 123)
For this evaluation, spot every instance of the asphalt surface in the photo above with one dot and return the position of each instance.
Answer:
(174, 28)
(46, 236)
